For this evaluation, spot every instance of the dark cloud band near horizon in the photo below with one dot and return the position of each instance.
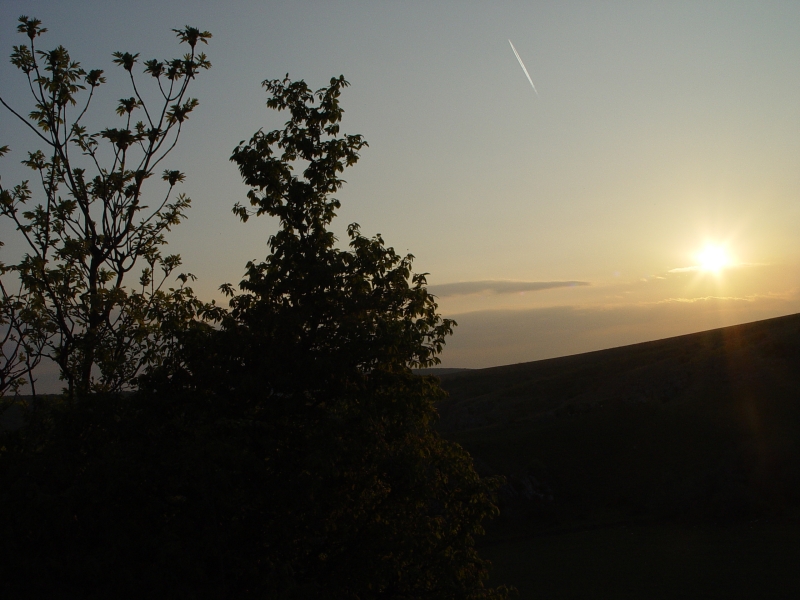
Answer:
(463, 288)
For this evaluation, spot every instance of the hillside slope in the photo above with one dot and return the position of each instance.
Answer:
(705, 425)
(667, 469)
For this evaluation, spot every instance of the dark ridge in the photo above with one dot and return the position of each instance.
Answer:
(649, 470)
(439, 371)
(666, 369)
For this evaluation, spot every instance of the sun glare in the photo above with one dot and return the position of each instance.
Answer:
(713, 258)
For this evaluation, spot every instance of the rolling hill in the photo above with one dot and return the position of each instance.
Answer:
(698, 433)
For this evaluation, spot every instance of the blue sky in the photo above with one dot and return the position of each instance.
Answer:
(658, 129)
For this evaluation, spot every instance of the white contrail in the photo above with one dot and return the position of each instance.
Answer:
(521, 64)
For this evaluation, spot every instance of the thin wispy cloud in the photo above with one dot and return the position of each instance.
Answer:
(464, 288)
(706, 299)
(695, 268)
(686, 269)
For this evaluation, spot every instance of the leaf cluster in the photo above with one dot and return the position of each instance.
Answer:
(90, 224)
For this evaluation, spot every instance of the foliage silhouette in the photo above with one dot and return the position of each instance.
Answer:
(356, 495)
(287, 452)
(25, 333)
(94, 225)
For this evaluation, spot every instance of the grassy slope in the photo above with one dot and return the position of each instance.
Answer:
(688, 440)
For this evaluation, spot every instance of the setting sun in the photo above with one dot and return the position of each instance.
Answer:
(713, 258)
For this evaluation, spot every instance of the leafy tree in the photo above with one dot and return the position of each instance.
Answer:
(288, 452)
(23, 335)
(94, 225)
(350, 491)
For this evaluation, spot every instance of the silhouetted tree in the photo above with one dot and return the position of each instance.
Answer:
(350, 492)
(23, 335)
(286, 453)
(94, 225)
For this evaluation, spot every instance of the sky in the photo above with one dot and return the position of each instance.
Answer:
(582, 216)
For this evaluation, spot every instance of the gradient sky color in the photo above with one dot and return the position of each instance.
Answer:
(659, 128)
